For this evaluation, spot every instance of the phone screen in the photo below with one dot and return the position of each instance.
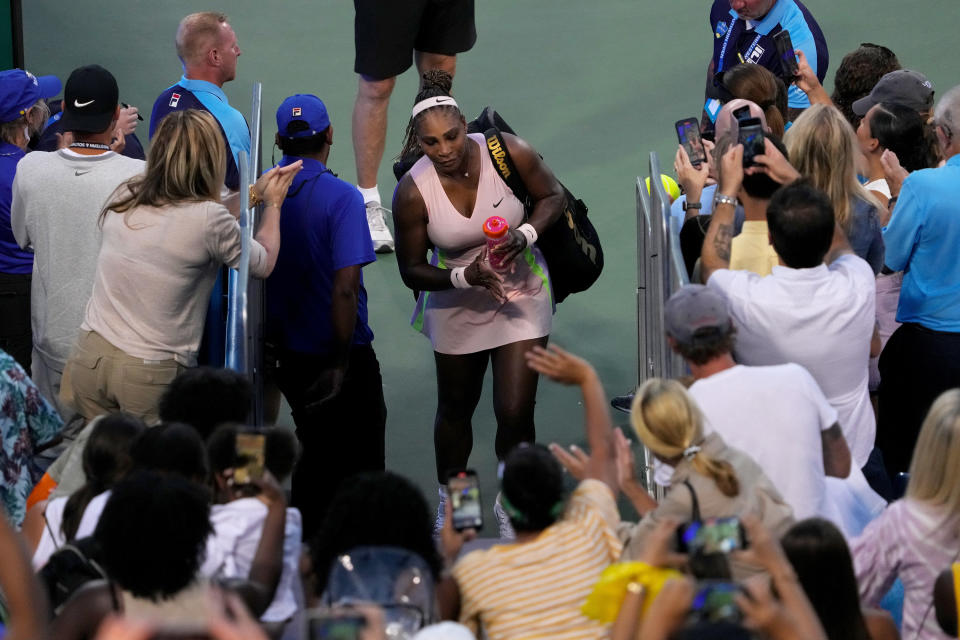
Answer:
(788, 57)
(688, 133)
(464, 491)
(752, 138)
(335, 626)
(714, 602)
(715, 535)
(250, 457)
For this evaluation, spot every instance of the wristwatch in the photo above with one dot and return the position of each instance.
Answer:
(722, 199)
(691, 205)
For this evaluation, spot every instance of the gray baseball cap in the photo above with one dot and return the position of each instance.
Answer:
(693, 309)
(909, 88)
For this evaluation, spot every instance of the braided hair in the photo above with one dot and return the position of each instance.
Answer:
(435, 82)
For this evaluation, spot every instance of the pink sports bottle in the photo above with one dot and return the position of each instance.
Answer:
(495, 228)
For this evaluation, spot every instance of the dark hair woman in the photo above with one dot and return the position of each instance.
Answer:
(821, 558)
(473, 314)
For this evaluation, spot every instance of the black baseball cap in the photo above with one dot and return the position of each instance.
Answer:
(90, 100)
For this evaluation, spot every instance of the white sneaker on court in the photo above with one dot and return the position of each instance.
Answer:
(379, 232)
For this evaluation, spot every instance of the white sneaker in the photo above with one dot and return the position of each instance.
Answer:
(379, 232)
(503, 521)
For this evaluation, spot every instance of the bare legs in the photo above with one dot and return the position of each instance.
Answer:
(459, 384)
(370, 127)
(370, 116)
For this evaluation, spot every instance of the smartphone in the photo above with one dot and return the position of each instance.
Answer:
(788, 57)
(175, 631)
(463, 489)
(713, 535)
(688, 133)
(250, 457)
(743, 113)
(752, 138)
(334, 625)
(714, 602)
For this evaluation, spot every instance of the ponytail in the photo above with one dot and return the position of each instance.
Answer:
(670, 424)
(721, 471)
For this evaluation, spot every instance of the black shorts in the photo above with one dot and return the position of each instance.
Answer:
(387, 32)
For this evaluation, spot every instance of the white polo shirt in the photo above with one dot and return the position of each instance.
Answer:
(776, 415)
(820, 318)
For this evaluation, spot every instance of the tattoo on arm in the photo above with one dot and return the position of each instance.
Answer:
(722, 241)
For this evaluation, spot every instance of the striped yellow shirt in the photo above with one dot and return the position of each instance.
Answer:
(535, 589)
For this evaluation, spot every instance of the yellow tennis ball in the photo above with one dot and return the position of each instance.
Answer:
(669, 185)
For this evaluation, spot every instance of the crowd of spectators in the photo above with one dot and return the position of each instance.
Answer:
(806, 474)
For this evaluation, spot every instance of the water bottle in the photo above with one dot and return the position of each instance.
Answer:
(495, 228)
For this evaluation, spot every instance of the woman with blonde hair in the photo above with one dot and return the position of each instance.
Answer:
(823, 147)
(165, 235)
(710, 479)
(917, 536)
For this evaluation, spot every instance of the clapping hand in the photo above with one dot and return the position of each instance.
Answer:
(479, 273)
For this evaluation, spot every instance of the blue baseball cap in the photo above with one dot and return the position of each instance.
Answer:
(20, 89)
(303, 108)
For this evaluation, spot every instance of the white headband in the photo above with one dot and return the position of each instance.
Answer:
(436, 101)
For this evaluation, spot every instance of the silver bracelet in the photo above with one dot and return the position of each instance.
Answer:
(458, 279)
(722, 199)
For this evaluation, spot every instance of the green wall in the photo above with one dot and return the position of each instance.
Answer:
(6, 36)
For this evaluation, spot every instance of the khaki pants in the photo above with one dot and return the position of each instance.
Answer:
(100, 378)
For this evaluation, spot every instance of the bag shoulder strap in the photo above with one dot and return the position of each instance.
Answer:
(503, 163)
(696, 503)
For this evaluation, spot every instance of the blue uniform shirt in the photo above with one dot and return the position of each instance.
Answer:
(323, 228)
(13, 259)
(200, 94)
(922, 239)
(733, 43)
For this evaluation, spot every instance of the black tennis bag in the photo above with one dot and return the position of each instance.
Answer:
(571, 245)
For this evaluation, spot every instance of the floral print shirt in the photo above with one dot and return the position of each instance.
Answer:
(27, 421)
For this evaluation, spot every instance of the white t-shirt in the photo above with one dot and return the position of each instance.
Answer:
(820, 318)
(52, 538)
(775, 414)
(237, 527)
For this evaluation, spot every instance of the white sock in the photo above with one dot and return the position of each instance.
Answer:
(442, 491)
(370, 195)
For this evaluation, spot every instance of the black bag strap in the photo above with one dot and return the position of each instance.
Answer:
(503, 163)
(696, 503)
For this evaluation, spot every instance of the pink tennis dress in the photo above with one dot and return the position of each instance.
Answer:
(460, 321)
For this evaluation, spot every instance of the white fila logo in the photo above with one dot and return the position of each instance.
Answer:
(174, 99)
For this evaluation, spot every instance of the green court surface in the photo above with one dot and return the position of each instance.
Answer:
(593, 86)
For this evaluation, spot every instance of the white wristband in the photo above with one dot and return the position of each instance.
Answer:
(458, 279)
(528, 232)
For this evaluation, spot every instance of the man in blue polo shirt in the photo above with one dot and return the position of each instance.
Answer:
(317, 316)
(22, 115)
(208, 49)
(743, 31)
(922, 357)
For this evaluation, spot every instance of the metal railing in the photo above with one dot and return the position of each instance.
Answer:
(245, 314)
(660, 272)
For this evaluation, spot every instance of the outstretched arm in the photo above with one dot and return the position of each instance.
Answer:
(566, 368)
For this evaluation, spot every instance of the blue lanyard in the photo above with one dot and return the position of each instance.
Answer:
(726, 41)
